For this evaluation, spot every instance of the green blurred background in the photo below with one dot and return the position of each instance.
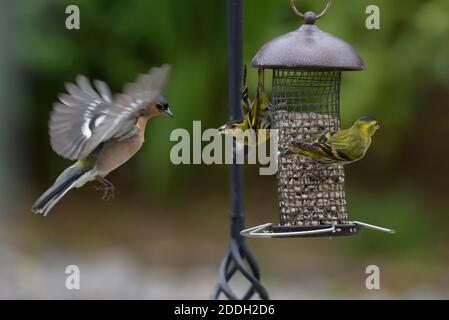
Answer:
(166, 231)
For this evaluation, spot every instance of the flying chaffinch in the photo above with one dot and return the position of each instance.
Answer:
(101, 132)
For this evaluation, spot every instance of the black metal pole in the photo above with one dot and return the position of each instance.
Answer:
(235, 64)
(237, 252)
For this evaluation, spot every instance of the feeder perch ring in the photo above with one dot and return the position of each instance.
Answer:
(309, 17)
(269, 230)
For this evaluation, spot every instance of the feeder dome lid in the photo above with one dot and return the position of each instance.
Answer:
(308, 48)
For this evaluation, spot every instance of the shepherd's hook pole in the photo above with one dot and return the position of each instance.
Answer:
(238, 252)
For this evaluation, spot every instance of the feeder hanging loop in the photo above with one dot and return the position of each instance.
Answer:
(309, 17)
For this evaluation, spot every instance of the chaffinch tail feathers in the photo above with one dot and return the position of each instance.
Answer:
(69, 178)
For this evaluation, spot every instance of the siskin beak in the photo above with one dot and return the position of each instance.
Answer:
(167, 112)
(222, 130)
(377, 126)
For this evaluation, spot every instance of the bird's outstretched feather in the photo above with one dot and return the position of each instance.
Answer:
(86, 117)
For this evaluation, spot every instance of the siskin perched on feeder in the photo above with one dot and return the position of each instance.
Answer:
(255, 117)
(236, 128)
(260, 117)
(337, 147)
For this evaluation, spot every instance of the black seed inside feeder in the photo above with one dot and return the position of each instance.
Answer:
(307, 66)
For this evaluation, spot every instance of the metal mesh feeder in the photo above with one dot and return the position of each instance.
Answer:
(307, 66)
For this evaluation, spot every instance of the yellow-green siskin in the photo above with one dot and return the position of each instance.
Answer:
(260, 117)
(256, 114)
(235, 128)
(337, 147)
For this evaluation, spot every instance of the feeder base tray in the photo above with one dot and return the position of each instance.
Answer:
(270, 230)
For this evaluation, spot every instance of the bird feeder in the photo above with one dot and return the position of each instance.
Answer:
(307, 65)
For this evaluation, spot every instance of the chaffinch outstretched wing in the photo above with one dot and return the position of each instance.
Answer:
(85, 118)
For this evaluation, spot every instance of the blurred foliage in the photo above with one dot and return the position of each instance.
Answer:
(400, 210)
(407, 59)
(405, 86)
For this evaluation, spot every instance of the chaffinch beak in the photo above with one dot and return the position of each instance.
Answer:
(167, 112)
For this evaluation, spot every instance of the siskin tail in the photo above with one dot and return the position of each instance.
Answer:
(244, 76)
(261, 80)
(67, 180)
